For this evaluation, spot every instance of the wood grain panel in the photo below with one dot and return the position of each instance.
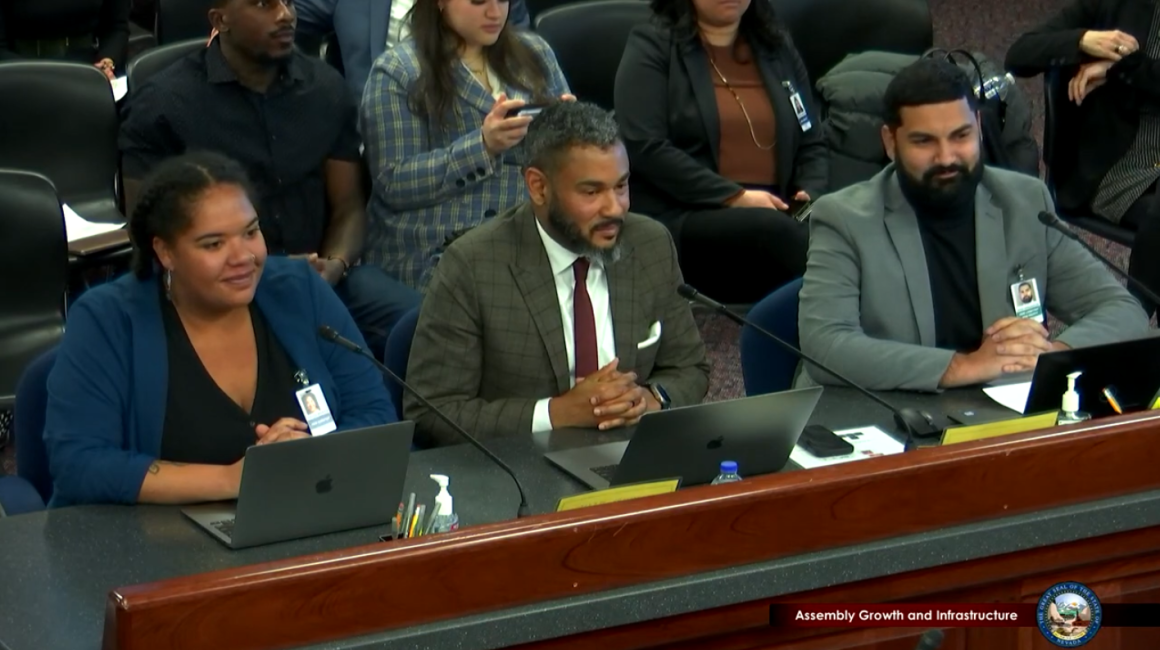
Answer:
(357, 591)
(1121, 568)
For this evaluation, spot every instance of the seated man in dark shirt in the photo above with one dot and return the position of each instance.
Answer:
(916, 278)
(288, 119)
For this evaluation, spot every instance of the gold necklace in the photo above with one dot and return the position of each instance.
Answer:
(752, 133)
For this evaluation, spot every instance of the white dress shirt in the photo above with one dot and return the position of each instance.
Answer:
(399, 28)
(561, 260)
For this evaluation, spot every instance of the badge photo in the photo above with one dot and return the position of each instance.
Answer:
(1026, 299)
(315, 410)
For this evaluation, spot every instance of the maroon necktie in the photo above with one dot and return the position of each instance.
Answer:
(584, 322)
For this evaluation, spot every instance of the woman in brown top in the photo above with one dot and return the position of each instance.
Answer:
(722, 132)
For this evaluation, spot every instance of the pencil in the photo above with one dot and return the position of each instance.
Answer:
(405, 526)
(419, 520)
(398, 520)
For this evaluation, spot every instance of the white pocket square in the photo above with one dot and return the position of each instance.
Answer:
(654, 335)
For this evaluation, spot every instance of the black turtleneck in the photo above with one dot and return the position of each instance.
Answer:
(948, 239)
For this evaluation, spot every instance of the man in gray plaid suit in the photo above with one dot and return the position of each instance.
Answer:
(561, 312)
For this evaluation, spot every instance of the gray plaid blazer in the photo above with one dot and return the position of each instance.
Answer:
(489, 342)
(430, 182)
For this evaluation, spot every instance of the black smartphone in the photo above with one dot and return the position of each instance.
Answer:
(800, 210)
(528, 110)
(823, 443)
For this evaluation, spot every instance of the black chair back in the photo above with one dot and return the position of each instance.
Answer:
(64, 126)
(1061, 118)
(181, 20)
(537, 7)
(157, 59)
(588, 39)
(33, 273)
(825, 31)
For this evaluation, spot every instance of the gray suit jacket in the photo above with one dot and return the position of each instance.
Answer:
(866, 308)
(489, 342)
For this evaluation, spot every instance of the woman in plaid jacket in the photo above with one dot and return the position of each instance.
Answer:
(442, 137)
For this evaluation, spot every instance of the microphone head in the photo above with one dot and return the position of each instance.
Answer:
(1047, 219)
(687, 291)
(327, 332)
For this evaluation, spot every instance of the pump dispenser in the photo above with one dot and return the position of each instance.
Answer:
(445, 518)
(1069, 409)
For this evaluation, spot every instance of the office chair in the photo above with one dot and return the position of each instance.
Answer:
(156, 59)
(825, 31)
(182, 20)
(64, 126)
(33, 273)
(1060, 117)
(588, 39)
(765, 366)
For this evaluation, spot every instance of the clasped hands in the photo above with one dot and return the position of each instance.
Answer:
(606, 399)
(1108, 47)
(1011, 345)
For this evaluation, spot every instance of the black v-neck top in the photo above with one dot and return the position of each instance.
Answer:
(202, 424)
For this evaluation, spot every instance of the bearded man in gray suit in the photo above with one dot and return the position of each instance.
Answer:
(563, 311)
(913, 277)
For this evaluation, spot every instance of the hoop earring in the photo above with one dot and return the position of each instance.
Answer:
(168, 282)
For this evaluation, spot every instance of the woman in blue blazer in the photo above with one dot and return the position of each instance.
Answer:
(166, 376)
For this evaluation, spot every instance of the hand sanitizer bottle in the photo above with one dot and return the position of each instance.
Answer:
(445, 518)
(1069, 411)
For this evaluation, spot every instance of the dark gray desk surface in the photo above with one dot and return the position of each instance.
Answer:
(57, 567)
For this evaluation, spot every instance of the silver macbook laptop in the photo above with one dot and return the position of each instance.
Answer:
(758, 432)
(313, 486)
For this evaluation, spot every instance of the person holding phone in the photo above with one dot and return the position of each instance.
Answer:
(442, 139)
(725, 141)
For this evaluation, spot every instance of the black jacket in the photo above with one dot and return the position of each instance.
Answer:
(1105, 125)
(667, 110)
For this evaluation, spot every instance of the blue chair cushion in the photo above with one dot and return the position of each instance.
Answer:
(28, 426)
(766, 367)
(18, 497)
(398, 352)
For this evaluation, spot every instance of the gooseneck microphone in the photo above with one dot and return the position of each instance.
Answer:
(330, 334)
(909, 421)
(1052, 221)
(931, 640)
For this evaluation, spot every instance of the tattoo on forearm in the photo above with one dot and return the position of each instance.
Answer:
(155, 466)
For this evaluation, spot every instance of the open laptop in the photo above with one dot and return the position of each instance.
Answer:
(313, 486)
(1131, 367)
(758, 432)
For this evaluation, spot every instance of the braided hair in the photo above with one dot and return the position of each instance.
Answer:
(165, 208)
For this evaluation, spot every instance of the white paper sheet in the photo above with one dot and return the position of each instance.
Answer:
(1013, 396)
(77, 227)
(867, 441)
(120, 87)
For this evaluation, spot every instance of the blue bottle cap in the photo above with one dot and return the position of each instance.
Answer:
(728, 467)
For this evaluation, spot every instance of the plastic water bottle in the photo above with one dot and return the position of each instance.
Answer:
(995, 87)
(728, 473)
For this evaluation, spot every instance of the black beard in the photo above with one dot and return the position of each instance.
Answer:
(931, 193)
(572, 238)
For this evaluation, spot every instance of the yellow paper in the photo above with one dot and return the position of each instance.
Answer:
(622, 493)
(1000, 428)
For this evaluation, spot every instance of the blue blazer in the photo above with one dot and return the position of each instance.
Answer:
(107, 391)
(360, 27)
